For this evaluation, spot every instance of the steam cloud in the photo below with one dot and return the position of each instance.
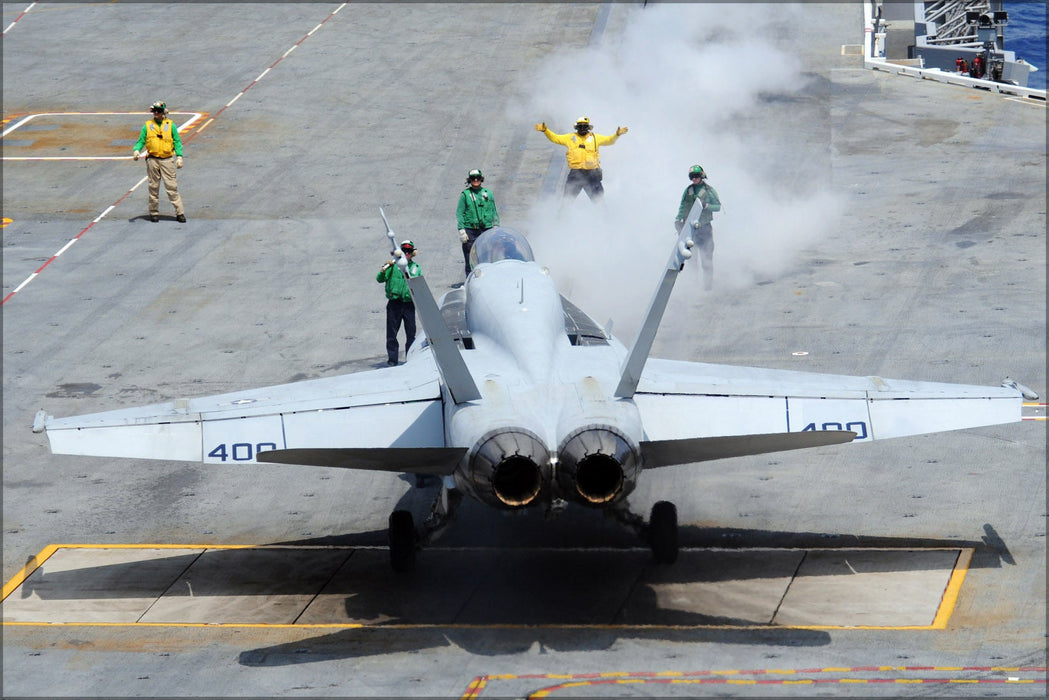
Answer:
(692, 83)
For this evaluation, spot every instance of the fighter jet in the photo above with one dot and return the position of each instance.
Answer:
(518, 399)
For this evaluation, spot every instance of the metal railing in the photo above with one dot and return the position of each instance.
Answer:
(874, 57)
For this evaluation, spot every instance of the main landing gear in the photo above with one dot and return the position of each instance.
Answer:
(660, 532)
(405, 540)
(402, 541)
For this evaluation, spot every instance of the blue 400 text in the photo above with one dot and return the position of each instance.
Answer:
(240, 451)
(859, 427)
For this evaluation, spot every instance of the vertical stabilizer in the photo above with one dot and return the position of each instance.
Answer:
(449, 360)
(635, 360)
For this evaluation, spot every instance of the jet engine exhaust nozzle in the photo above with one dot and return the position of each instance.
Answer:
(597, 465)
(509, 467)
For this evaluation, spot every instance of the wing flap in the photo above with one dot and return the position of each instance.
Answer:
(174, 440)
(679, 400)
(376, 409)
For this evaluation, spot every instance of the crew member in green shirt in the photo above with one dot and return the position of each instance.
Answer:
(704, 235)
(475, 213)
(399, 305)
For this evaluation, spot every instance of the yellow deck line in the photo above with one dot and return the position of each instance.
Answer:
(32, 565)
(954, 586)
(943, 614)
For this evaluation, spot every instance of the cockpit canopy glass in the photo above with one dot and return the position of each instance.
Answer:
(500, 243)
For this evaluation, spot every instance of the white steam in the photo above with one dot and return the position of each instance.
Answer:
(689, 81)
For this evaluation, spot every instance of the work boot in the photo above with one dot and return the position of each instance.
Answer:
(181, 218)
(154, 218)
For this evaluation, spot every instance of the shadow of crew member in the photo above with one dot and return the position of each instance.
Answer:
(399, 305)
(704, 234)
(584, 161)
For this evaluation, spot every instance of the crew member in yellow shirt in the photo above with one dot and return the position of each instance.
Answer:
(160, 143)
(584, 162)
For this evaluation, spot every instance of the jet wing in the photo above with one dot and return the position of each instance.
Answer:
(397, 407)
(688, 400)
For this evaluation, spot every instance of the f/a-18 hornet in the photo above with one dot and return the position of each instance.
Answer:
(518, 399)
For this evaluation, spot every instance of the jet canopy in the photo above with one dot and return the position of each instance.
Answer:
(500, 243)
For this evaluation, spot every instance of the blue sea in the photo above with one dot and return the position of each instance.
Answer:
(1026, 35)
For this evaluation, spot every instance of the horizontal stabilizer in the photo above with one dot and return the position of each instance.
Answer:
(666, 453)
(440, 461)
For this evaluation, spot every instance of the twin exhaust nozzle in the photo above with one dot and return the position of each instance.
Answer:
(512, 468)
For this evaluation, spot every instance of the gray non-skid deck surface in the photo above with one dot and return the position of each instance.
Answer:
(348, 586)
(881, 224)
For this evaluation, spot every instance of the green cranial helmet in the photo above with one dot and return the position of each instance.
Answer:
(158, 107)
(696, 170)
(474, 174)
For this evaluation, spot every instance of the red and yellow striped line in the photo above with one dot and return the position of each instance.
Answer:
(738, 677)
(1037, 408)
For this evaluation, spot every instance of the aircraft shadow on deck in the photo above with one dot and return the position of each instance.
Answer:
(500, 583)
(500, 600)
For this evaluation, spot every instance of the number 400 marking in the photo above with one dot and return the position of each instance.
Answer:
(241, 451)
(859, 427)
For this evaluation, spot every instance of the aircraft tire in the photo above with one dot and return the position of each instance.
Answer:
(402, 541)
(662, 529)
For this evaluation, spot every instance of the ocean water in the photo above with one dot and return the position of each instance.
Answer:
(1026, 35)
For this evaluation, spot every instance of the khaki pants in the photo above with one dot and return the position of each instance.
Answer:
(162, 169)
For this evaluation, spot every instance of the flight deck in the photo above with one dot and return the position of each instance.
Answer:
(352, 587)
(873, 224)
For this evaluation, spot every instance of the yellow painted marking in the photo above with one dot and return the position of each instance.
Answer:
(32, 565)
(708, 677)
(5, 222)
(954, 586)
(947, 603)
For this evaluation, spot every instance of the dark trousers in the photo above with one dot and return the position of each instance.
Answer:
(589, 180)
(396, 313)
(704, 238)
(473, 233)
